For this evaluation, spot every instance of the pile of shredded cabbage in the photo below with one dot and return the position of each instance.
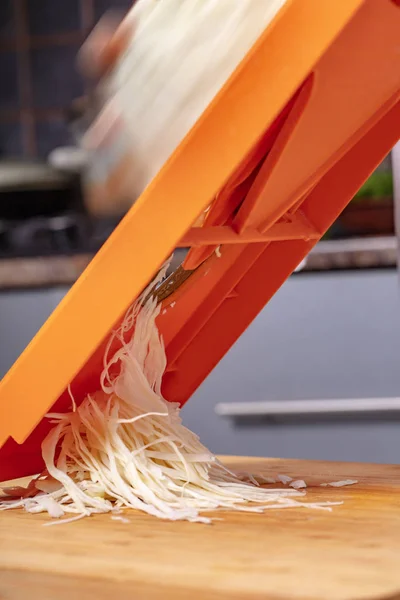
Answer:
(125, 446)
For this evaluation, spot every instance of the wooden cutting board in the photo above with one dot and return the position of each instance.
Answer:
(352, 553)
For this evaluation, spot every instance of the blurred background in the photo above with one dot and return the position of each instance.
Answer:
(332, 333)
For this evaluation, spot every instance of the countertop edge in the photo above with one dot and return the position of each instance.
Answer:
(327, 256)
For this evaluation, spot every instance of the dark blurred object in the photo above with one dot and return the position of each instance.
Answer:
(9, 95)
(55, 235)
(78, 117)
(61, 235)
(55, 79)
(39, 43)
(52, 17)
(77, 110)
(11, 140)
(42, 213)
(371, 212)
(41, 210)
(103, 6)
(7, 26)
(33, 189)
(371, 217)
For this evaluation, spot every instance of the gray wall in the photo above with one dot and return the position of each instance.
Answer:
(21, 315)
(322, 336)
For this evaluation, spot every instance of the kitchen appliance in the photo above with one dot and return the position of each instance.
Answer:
(277, 157)
(42, 212)
(30, 189)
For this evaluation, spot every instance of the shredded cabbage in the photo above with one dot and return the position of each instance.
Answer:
(298, 485)
(340, 483)
(125, 446)
(180, 56)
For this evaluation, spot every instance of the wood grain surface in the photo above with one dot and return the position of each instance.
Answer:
(352, 553)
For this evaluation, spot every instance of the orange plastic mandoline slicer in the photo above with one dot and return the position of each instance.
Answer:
(307, 116)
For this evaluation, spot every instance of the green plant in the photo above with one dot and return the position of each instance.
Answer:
(379, 185)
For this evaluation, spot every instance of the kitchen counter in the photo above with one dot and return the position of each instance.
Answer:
(49, 271)
(327, 255)
(353, 253)
(293, 554)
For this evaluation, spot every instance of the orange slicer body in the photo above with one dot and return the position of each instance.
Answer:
(307, 116)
